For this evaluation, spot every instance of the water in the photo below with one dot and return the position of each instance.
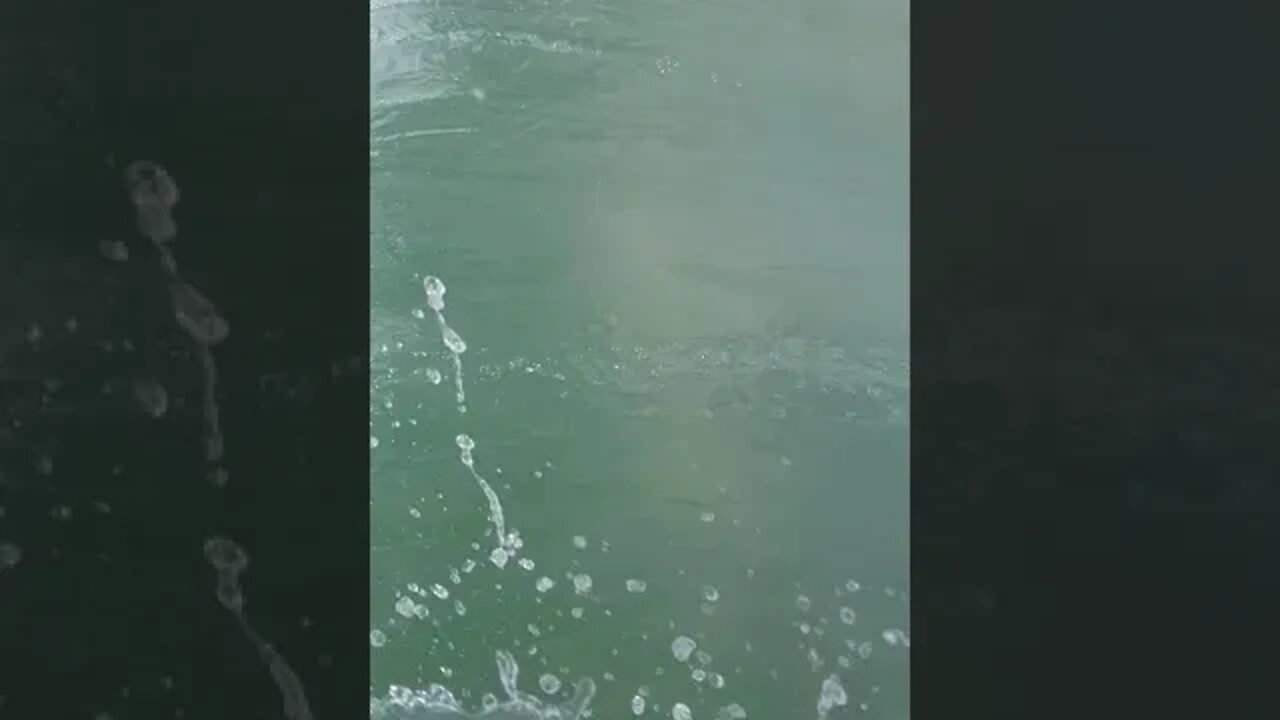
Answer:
(668, 463)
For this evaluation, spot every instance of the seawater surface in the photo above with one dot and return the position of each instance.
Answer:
(639, 382)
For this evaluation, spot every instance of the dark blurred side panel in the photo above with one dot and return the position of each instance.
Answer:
(108, 496)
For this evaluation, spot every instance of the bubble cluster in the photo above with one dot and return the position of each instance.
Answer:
(820, 622)
(831, 695)
(438, 703)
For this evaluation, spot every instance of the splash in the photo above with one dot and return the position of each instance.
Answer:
(154, 194)
(438, 703)
(229, 560)
(508, 544)
(435, 290)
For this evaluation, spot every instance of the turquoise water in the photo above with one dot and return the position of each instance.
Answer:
(672, 237)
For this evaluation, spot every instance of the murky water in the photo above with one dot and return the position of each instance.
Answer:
(639, 383)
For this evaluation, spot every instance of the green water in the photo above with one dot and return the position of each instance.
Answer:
(674, 238)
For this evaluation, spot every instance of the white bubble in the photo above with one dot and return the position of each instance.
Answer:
(636, 586)
(710, 594)
(544, 584)
(893, 636)
(707, 517)
(406, 606)
(10, 555)
(377, 638)
(847, 616)
(582, 583)
(716, 680)
(419, 314)
(113, 250)
(373, 442)
(453, 340)
(465, 442)
(732, 711)
(576, 613)
(864, 650)
(680, 711)
(852, 586)
(433, 376)
(525, 563)
(151, 397)
(637, 705)
(831, 696)
(499, 557)
(579, 542)
(435, 291)
(803, 603)
(459, 608)
(440, 591)
(225, 555)
(682, 647)
(550, 684)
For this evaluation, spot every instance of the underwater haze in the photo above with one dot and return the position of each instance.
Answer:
(639, 381)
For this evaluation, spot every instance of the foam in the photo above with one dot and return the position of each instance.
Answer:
(438, 703)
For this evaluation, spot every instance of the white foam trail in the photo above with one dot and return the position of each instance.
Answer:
(508, 545)
(229, 560)
(154, 193)
(438, 703)
(435, 290)
(428, 132)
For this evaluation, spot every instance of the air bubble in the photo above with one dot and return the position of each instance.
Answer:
(894, 636)
(636, 586)
(549, 684)
(582, 583)
(499, 557)
(831, 696)
(453, 340)
(435, 291)
(377, 638)
(732, 711)
(10, 555)
(680, 711)
(406, 606)
(682, 648)
(225, 555)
